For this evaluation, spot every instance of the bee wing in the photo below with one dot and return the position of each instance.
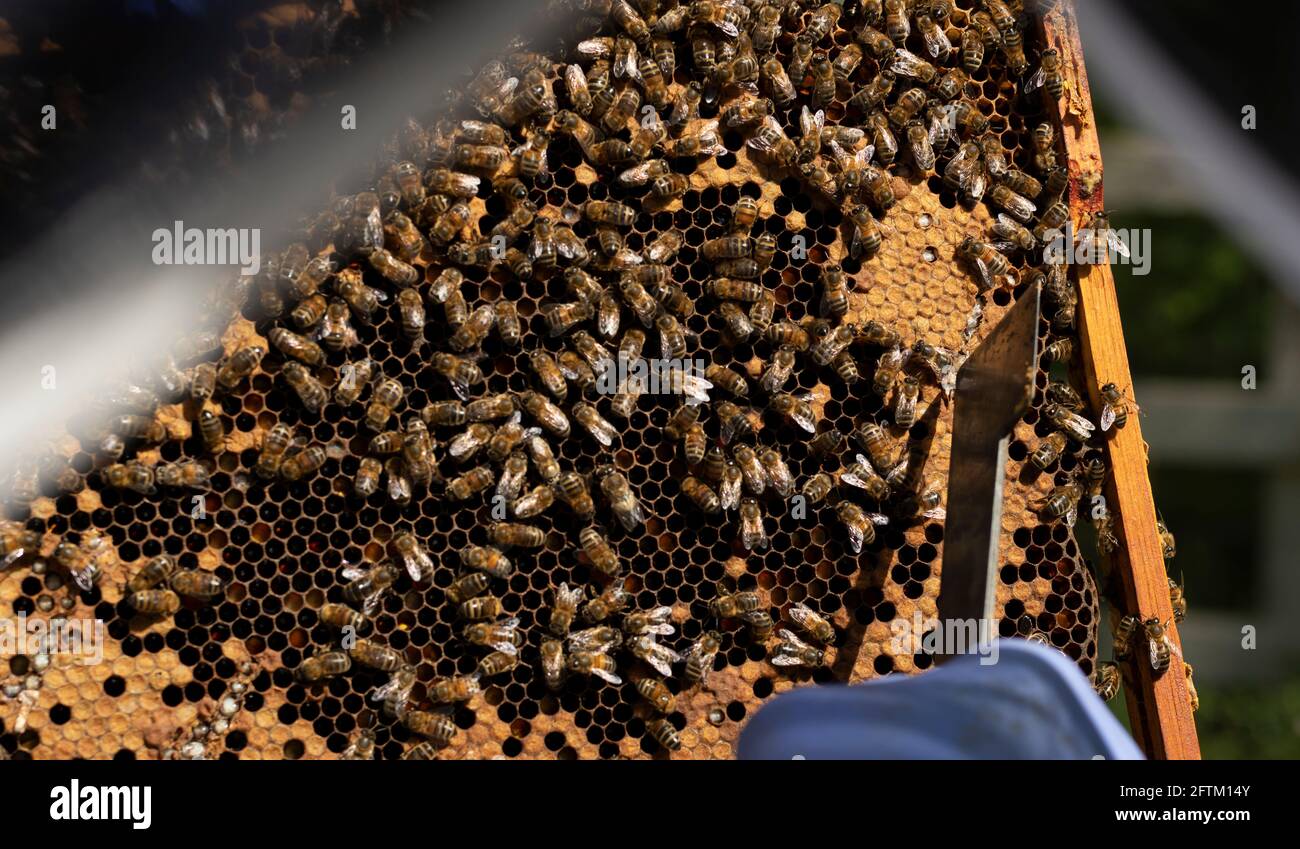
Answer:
(609, 676)
(802, 614)
(727, 28)
(505, 647)
(1080, 422)
(878, 518)
(1107, 417)
(937, 513)
(788, 637)
(936, 42)
(1072, 516)
(982, 272)
(786, 660)
(353, 571)
(811, 122)
(595, 48)
(1116, 244)
(1035, 81)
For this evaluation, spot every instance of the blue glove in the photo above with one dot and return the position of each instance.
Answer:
(1033, 703)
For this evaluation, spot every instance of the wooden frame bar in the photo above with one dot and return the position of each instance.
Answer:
(1159, 706)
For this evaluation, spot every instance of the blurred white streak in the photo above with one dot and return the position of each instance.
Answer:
(100, 310)
(1249, 196)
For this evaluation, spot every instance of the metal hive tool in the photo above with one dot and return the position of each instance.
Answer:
(280, 546)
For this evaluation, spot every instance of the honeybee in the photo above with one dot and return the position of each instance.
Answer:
(1060, 294)
(656, 692)
(1161, 647)
(792, 651)
(626, 507)
(408, 551)
(594, 663)
(832, 345)
(598, 640)
(1106, 680)
(342, 617)
(664, 248)
(1059, 351)
(1012, 235)
(801, 56)
(658, 657)
(387, 395)
(458, 688)
(612, 600)
(539, 451)
(154, 602)
(1115, 407)
(486, 559)
(195, 583)
(1062, 502)
(311, 392)
(1048, 451)
(1044, 148)
(367, 586)
(817, 487)
(1023, 184)
(239, 365)
(1074, 425)
(154, 572)
(399, 482)
(425, 751)
(862, 475)
(533, 503)
(438, 727)
(549, 416)
(905, 401)
(1048, 75)
(553, 663)
(755, 476)
(326, 665)
(778, 473)
(769, 139)
(777, 373)
(728, 289)
(367, 480)
(861, 526)
(991, 266)
(599, 552)
(686, 108)
(700, 658)
(353, 378)
(572, 488)
(1167, 544)
(777, 82)
(480, 608)
(703, 142)
(502, 636)
(731, 605)
(1125, 630)
(752, 534)
(188, 473)
(796, 409)
(866, 236)
(336, 331)
(203, 380)
(376, 656)
(134, 476)
(565, 609)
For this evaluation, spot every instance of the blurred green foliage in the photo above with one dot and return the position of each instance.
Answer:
(1250, 721)
(1255, 721)
(1218, 538)
(1202, 311)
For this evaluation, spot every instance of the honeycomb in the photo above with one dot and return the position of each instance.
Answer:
(224, 678)
(250, 76)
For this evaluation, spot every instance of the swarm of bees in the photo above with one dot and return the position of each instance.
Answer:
(642, 96)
